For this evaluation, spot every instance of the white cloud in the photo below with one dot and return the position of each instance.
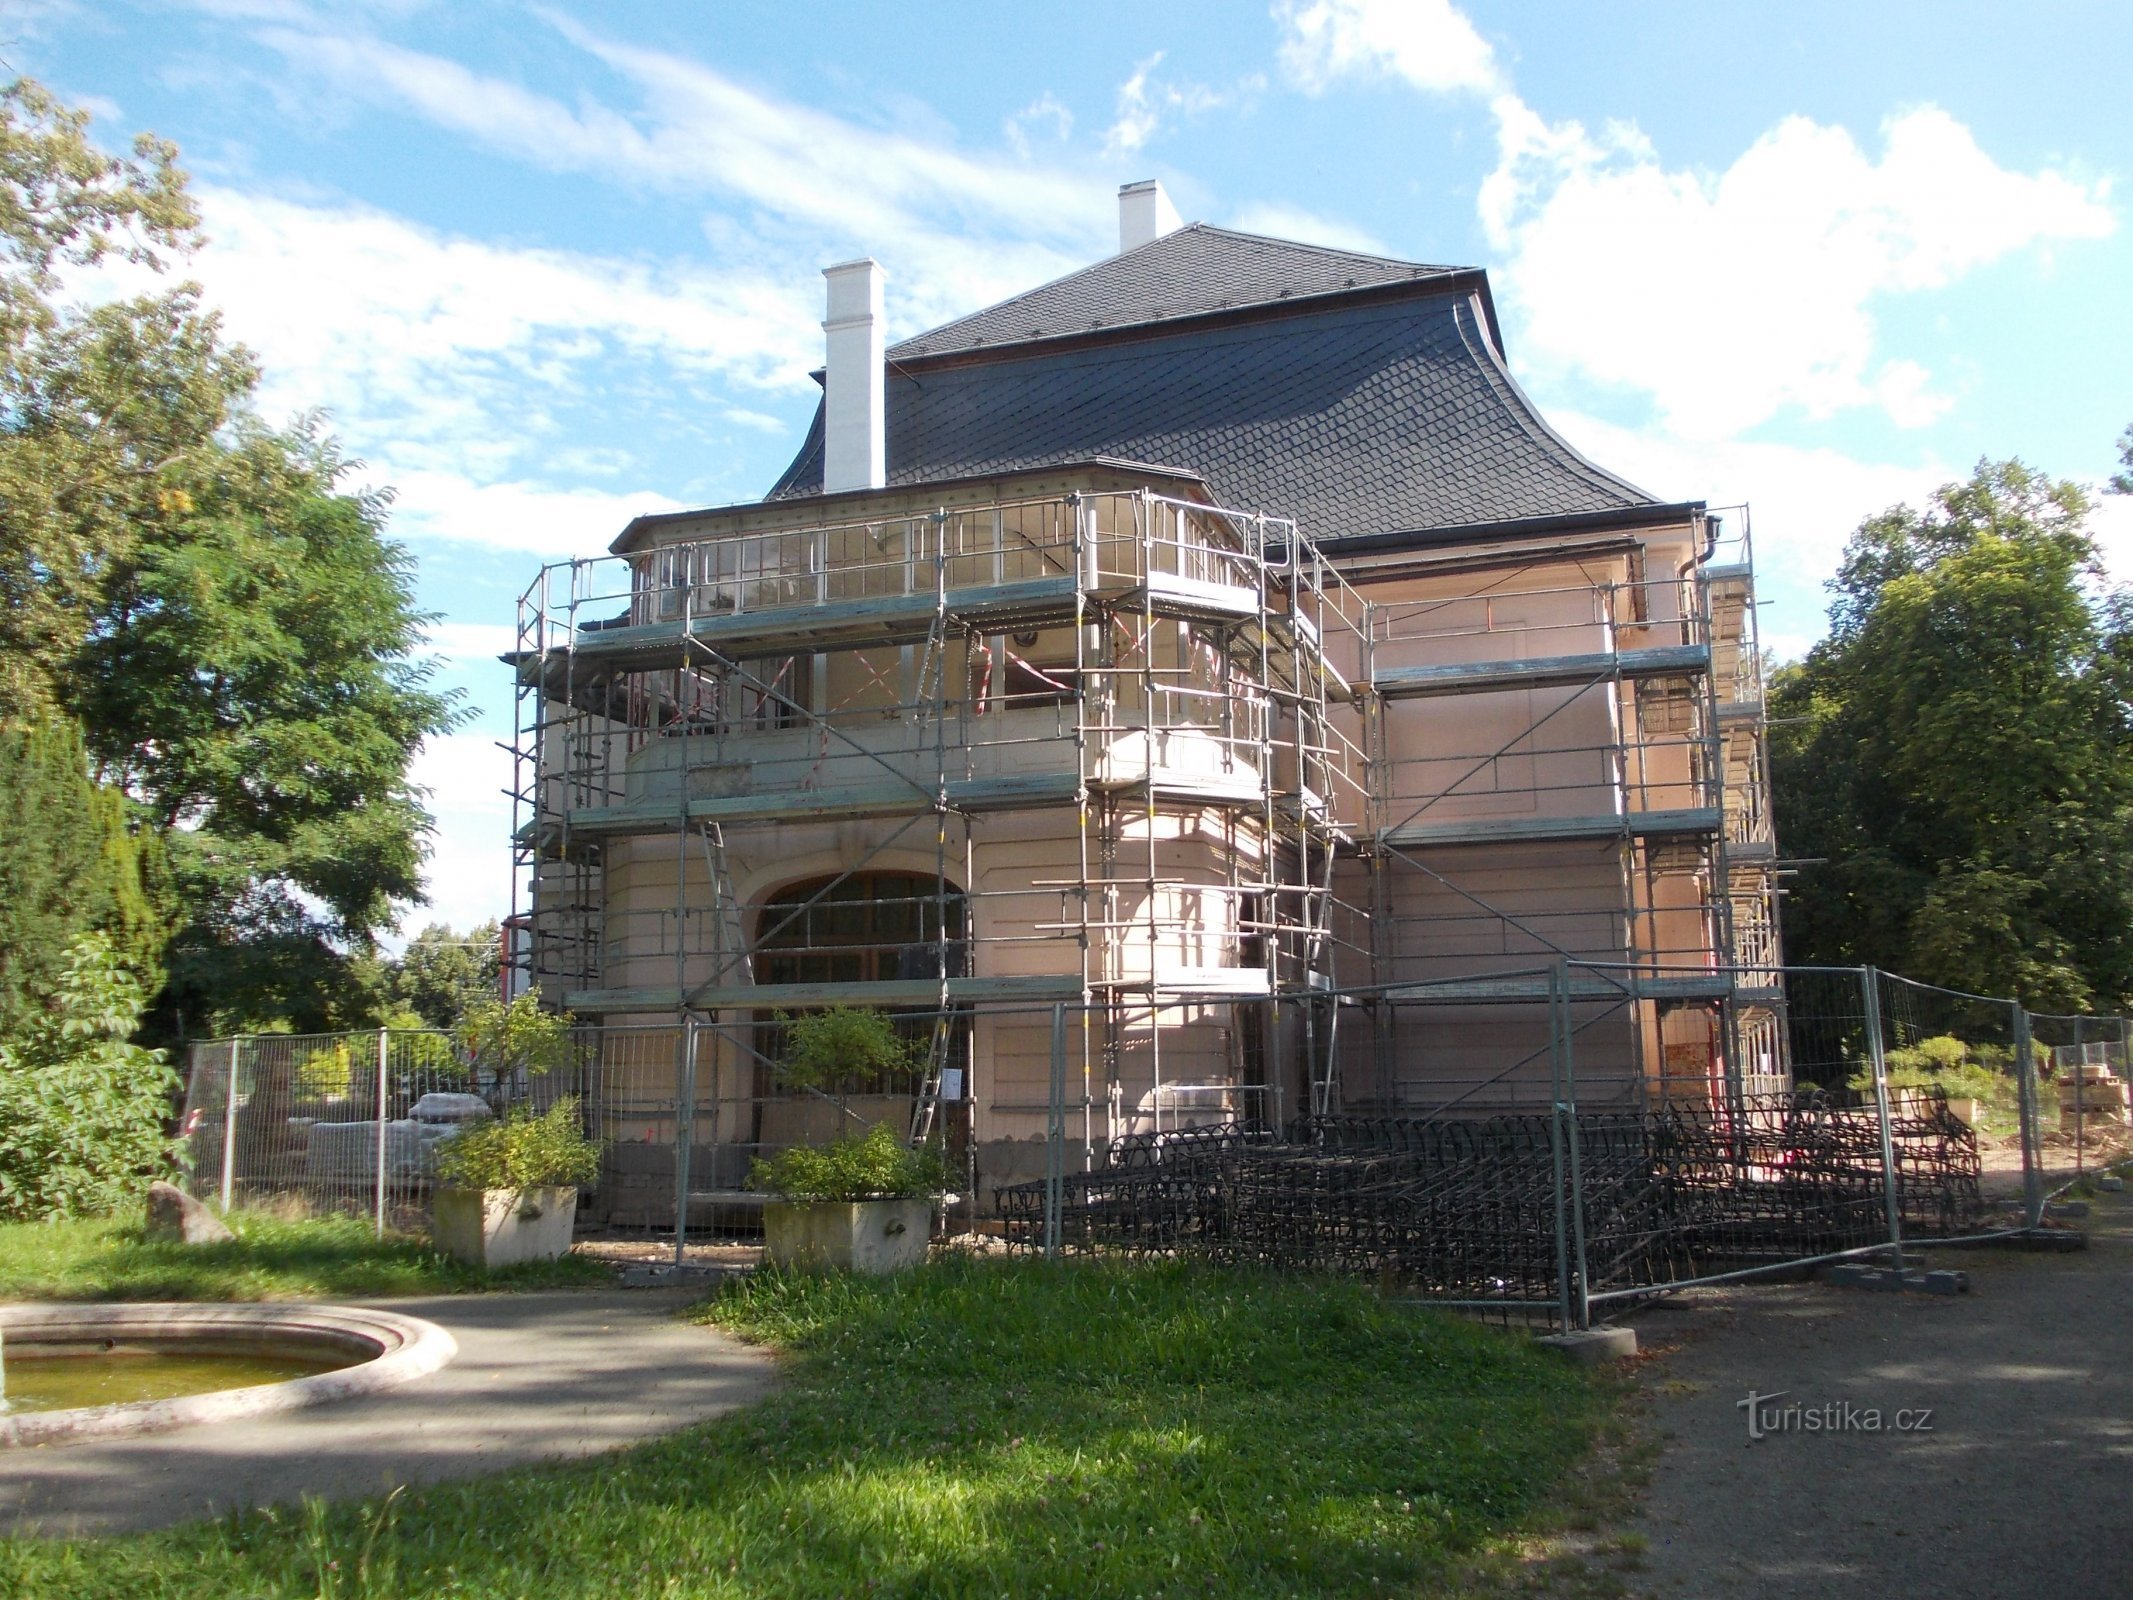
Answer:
(531, 518)
(956, 230)
(426, 331)
(1731, 297)
(468, 873)
(1282, 221)
(479, 642)
(2112, 524)
(1137, 117)
(1044, 112)
(1145, 104)
(1429, 43)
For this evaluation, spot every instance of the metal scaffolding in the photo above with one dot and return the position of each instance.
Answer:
(1111, 749)
(1145, 676)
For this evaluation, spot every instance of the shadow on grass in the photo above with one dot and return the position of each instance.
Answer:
(271, 1258)
(977, 1429)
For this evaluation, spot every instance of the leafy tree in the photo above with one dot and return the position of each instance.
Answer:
(232, 629)
(81, 1109)
(442, 973)
(250, 680)
(107, 411)
(1960, 750)
(2122, 480)
(71, 865)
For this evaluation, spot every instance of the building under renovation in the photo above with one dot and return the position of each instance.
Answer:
(1200, 689)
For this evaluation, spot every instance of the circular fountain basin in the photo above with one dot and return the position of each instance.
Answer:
(365, 1350)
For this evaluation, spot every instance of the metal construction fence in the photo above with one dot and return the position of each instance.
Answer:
(1916, 1116)
(1550, 1185)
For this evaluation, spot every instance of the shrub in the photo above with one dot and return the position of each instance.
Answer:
(81, 1108)
(841, 1046)
(525, 1150)
(325, 1071)
(874, 1165)
(506, 1042)
(1945, 1063)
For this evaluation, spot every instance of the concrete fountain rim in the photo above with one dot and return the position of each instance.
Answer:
(388, 1349)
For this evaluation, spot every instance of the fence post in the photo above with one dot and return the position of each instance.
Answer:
(2026, 1085)
(1055, 1135)
(684, 1137)
(1892, 1200)
(1557, 977)
(1566, 1047)
(229, 1131)
(384, 1060)
(2081, 1120)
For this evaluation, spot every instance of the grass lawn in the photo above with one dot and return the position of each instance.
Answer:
(270, 1259)
(976, 1428)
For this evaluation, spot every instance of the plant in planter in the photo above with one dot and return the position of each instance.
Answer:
(508, 1189)
(863, 1200)
(861, 1203)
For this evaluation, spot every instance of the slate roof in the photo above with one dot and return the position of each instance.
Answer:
(1192, 271)
(1362, 411)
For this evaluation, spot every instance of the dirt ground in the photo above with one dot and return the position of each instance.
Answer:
(2016, 1482)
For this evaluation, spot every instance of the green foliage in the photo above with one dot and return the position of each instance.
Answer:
(1960, 752)
(272, 1258)
(81, 1109)
(106, 409)
(980, 1429)
(325, 1071)
(252, 680)
(874, 1165)
(843, 1047)
(523, 1150)
(508, 1043)
(1946, 1063)
(2122, 480)
(71, 864)
(233, 632)
(442, 973)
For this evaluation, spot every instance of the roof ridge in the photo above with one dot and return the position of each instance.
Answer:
(1192, 270)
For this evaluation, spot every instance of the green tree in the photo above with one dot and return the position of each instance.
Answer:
(233, 630)
(2122, 480)
(71, 865)
(81, 1108)
(1959, 751)
(250, 680)
(443, 973)
(107, 411)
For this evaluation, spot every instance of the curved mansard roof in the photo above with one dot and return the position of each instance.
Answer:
(1355, 394)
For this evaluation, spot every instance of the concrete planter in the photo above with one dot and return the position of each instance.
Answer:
(871, 1236)
(498, 1227)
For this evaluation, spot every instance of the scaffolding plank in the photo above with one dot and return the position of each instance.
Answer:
(1540, 672)
(1171, 595)
(1492, 991)
(840, 624)
(1032, 988)
(1520, 830)
(1019, 791)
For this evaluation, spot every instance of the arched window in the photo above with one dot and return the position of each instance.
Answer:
(869, 927)
(872, 927)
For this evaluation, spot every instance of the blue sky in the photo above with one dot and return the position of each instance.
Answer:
(550, 266)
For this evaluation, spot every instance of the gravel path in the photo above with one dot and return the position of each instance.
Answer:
(2020, 1484)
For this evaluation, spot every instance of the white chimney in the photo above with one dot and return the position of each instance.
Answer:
(854, 410)
(1145, 214)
